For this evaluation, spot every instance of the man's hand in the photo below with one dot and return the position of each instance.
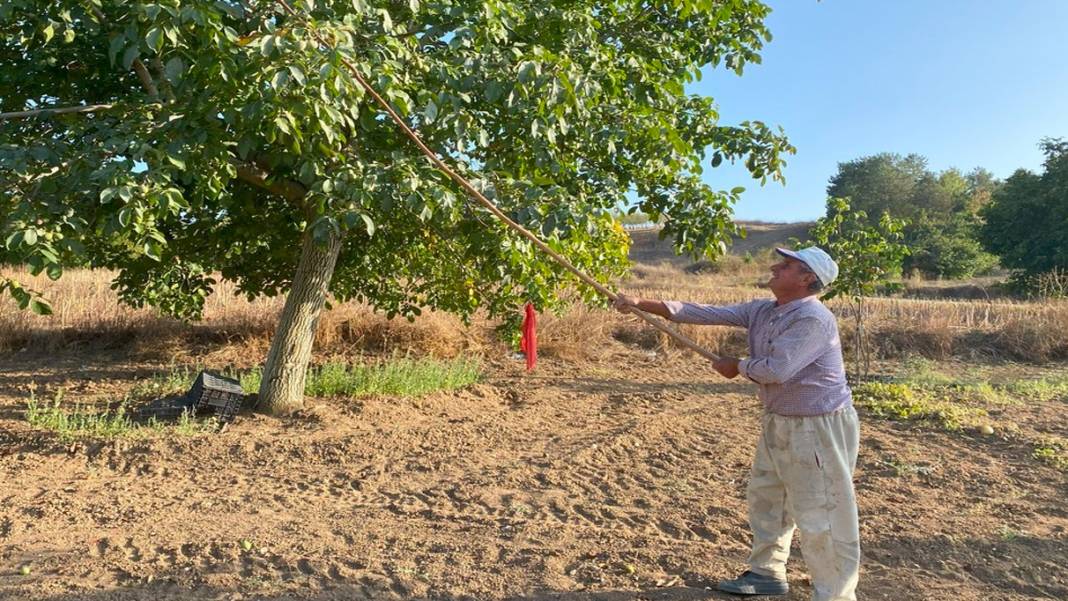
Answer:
(727, 367)
(626, 304)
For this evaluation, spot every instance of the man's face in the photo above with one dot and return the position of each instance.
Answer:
(790, 276)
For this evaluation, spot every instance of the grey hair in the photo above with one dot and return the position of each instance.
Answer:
(816, 284)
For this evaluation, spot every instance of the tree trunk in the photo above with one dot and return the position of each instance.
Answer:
(863, 335)
(858, 337)
(282, 387)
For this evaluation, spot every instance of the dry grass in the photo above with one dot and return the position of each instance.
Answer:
(88, 316)
(237, 332)
(939, 329)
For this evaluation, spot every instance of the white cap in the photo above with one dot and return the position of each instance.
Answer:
(817, 260)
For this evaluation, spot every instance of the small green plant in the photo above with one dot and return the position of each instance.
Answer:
(175, 381)
(972, 388)
(1041, 390)
(1008, 534)
(868, 254)
(918, 371)
(113, 421)
(397, 376)
(1052, 450)
(78, 422)
(903, 468)
(897, 401)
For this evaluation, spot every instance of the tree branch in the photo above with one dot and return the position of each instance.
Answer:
(48, 112)
(138, 66)
(261, 178)
(146, 78)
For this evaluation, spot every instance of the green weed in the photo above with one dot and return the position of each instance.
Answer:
(921, 372)
(113, 421)
(897, 401)
(1052, 451)
(396, 377)
(1041, 390)
(176, 381)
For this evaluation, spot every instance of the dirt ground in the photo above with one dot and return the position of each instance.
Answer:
(615, 480)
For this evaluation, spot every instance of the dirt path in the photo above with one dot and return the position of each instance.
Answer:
(596, 483)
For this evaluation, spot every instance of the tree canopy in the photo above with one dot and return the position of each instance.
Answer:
(940, 209)
(174, 140)
(1026, 225)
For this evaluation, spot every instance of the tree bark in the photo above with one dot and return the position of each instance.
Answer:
(282, 386)
(858, 337)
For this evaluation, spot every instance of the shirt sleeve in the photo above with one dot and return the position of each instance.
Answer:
(711, 315)
(801, 343)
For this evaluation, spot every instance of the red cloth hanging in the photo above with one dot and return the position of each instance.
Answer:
(529, 341)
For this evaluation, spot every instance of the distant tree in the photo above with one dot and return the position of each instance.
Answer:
(1026, 223)
(945, 247)
(934, 195)
(882, 183)
(868, 255)
(939, 209)
(180, 139)
(981, 187)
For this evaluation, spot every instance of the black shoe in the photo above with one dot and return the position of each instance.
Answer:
(751, 583)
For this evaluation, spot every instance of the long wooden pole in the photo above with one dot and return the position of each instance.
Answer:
(49, 111)
(492, 208)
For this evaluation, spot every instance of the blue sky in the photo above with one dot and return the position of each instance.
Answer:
(965, 83)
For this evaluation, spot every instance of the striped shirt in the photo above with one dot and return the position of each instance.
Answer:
(795, 354)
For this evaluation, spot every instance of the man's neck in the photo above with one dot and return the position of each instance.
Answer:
(789, 298)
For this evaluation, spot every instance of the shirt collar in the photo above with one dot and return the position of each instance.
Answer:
(794, 304)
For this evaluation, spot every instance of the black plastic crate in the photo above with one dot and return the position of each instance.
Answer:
(219, 394)
(166, 408)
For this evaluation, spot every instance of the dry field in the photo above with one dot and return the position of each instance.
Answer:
(615, 471)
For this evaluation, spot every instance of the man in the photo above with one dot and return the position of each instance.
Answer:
(803, 469)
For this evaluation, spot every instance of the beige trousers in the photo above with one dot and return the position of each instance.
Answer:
(803, 476)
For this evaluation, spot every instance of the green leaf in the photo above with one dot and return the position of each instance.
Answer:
(494, 91)
(172, 71)
(40, 306)
(117, 44)
(387, 22)
(154, 39)
(280, 79)
(528, 70)
(177, 162)
(152, 250)
(269, 43)
(68, 35)
(298, 75)
(431, 111)
(130, 56)
(29, 237)
(48, 32)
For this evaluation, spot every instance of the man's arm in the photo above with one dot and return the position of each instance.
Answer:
(695, 313)
(799, 345)
(625, 304)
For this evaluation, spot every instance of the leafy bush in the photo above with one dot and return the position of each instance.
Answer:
(896, 401)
